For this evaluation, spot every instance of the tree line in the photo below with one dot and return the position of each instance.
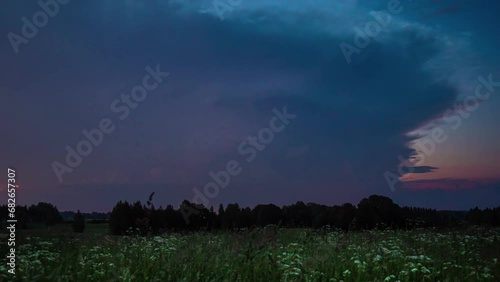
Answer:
(34, 215)
(374, 212)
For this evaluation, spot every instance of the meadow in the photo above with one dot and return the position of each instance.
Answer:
(265, 254)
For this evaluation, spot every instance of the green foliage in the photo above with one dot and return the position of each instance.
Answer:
(264, 254)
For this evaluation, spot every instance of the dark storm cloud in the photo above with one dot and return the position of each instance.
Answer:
(423, 169)
(226, 77)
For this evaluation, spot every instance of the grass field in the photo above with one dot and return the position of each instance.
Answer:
(268, 254)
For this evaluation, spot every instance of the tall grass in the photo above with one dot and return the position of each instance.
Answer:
(268, 254)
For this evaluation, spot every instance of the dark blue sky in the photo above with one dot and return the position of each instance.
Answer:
(353, 123)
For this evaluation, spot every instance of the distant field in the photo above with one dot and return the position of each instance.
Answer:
(64, 229)
(268, 254)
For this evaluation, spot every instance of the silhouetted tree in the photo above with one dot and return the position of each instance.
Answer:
(267, 214)
(44, 213)
(345, 218)
(121, 218)
(378, 211)
(233, 215)
(78, 222)
(221, 214)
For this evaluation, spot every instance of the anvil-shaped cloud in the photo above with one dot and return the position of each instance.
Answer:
(226, 77)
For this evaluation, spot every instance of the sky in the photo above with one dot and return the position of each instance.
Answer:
(342, 105)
